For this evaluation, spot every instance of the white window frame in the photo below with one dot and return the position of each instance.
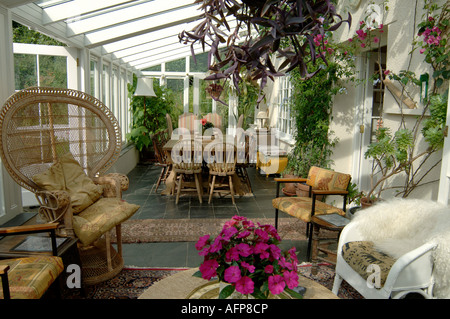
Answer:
(285, 118)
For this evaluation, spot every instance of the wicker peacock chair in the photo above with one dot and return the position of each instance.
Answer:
(59, 144)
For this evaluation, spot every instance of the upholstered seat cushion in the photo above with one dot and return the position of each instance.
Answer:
(360, 254)
(300, 207)
(101, 217)
(29, 278)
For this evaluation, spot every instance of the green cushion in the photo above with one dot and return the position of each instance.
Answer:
(101, 217)
(360, 254)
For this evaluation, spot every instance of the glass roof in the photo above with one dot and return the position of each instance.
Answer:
(138, 33)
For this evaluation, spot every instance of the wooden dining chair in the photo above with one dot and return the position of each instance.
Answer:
(187, 162)
(221, 161)
(158, 140)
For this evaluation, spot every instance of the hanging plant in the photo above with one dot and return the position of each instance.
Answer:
(258, 32)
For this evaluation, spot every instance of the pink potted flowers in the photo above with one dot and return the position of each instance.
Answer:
(246, 257)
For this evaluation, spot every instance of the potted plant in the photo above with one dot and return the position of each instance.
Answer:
(245, 257)
(148, 116)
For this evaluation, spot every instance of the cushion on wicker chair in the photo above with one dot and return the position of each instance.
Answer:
(360, 254)
(67, 174)
(101, 217)
(300, 207)
(29, 278)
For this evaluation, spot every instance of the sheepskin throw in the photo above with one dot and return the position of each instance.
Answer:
(401, 225)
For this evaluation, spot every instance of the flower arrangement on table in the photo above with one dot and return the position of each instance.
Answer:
(247, 257)
(206, 125)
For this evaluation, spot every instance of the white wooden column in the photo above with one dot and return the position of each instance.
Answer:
(10, 193)
(444, 183)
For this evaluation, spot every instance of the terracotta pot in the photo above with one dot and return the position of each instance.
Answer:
(366, 202)
(302, 190)
(289, 188)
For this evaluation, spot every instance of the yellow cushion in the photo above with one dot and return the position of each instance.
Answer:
(67, 174)
(101, 217)
(360, 254)
(325, 179)
(300, 207)
(29, 278)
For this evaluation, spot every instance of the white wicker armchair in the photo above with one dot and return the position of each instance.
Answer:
(59, 144)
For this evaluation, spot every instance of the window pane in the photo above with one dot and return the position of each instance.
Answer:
(53, 71)
(177, 87)
(201, 65)
(176, 66)
(25, 68)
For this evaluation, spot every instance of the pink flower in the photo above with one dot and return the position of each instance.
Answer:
(268, 269)
(216, 245)
(232, 255)
(244, 250)
(291, 279)
(376, 40)
(276, 251)
(204, 121)
(262, 234)
(232, 274)
(422, 50)
(293, 254)
(249, 267)
(276, 284)
(243, 234)
(245, 285)
(260, 248)
(208, 268)
(202, 241)
(228, 233)
(386, 72)
(350, 40)
(363, 45)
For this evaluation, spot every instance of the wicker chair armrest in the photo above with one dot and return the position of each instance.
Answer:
(55, 207)
(113, 184)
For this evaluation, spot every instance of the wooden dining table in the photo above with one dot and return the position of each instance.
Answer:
(170, 183)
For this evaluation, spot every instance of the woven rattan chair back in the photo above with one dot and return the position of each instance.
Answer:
(40, 124)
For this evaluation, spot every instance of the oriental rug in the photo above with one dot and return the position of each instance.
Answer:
(189, 230)
(130, 283)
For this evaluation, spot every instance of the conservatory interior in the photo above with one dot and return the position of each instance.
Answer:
(205, 149)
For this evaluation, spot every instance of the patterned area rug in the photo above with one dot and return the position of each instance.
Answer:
(185, 230)
(130, 283)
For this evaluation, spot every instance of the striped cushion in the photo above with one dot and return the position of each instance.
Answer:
(189, 121)
(29, 278)
(215, 119)
(361, 254)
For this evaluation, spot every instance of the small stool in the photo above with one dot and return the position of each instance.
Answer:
(332, 222)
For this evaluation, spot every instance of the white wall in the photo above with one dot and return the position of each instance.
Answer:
(399, 32)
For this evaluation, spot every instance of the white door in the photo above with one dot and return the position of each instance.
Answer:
(444, 184)
(368, 117)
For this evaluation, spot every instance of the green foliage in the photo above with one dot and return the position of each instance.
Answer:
(23, 34)
(312, 104)
(433, 129)
(149, 113)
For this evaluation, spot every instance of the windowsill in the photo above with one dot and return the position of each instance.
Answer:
(410, 112)
(285, 138)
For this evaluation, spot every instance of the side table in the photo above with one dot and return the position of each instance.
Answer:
(332, 222)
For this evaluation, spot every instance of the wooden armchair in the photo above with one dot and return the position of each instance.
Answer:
(321, 182)
(31, 276)
(60, 144)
